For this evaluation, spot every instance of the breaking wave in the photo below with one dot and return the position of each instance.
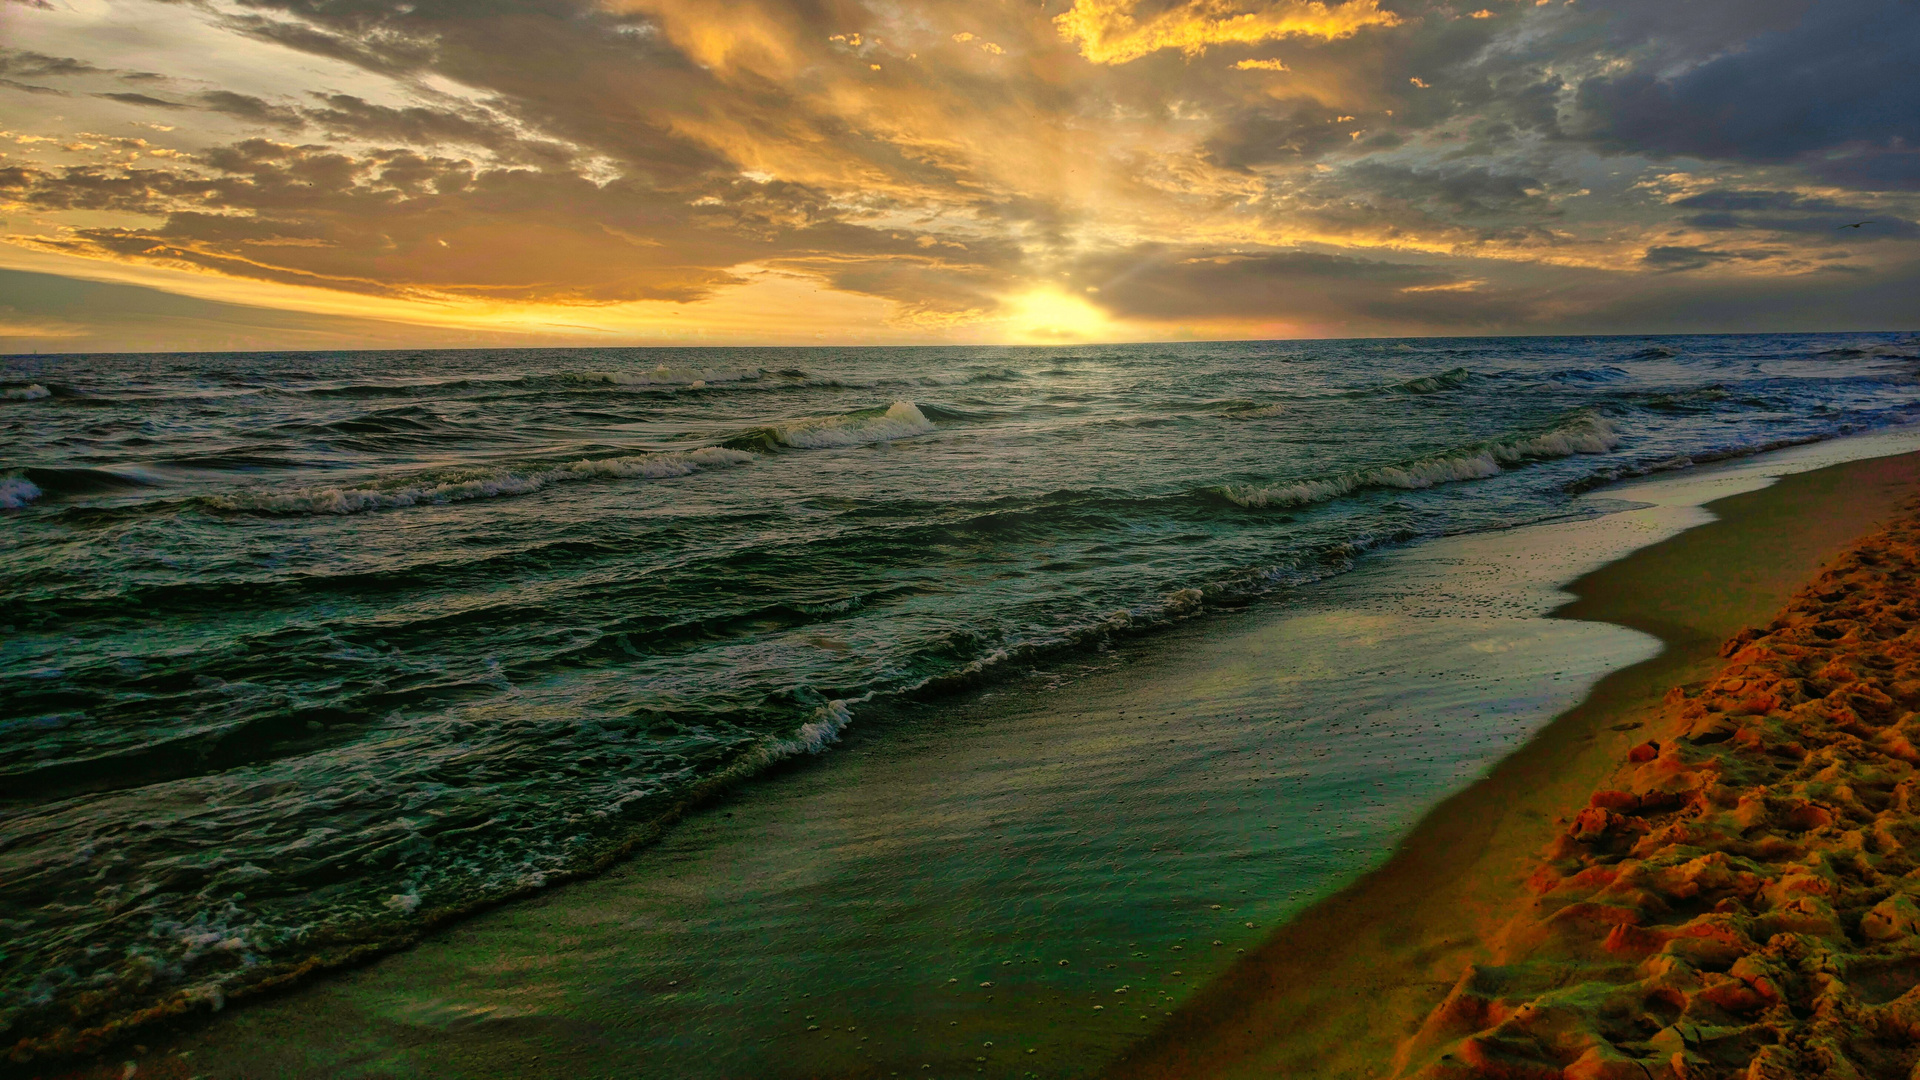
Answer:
(1583, 434)
(1452, 379)
(16, 492)
(30, 392)
(901, 420)
(483, 484)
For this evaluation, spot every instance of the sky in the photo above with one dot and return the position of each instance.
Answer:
(275, 174)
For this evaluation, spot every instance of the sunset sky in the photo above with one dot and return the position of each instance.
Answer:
(334, 173)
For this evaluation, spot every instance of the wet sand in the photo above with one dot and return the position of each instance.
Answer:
(1341, 989)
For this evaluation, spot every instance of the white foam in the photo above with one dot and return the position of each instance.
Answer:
(658, 466)
(902, 420)
(485, 485)
(818, 733)
(1585, 434)
(16, 492)
(33, 392)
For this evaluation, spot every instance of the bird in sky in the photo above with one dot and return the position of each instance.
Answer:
(1856, 224)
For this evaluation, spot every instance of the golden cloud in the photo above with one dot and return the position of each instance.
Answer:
(1107, 31)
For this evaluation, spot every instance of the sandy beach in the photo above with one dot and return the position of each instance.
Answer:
(1373, 982)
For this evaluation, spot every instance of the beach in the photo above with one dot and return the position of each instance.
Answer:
(1347, 990)
(910, 898)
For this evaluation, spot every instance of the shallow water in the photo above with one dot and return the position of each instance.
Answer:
(299, 652)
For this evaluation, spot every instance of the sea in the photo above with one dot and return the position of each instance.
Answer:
(307, 653)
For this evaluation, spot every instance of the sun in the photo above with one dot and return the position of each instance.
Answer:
(1052, 315)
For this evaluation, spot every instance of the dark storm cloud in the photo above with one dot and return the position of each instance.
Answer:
(1792, 212)
(1468, 192)
(1838, 91)
(1275, 132)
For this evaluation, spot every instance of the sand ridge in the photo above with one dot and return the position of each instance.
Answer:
(1745, 901)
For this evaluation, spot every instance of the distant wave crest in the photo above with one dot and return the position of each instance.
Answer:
(484, 484)
(901, 420)
(1585, 433)
(1451, 379)
(663, 375)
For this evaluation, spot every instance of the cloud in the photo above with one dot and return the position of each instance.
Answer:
(25, 62)
(31, 88)
(1675, 257)
(1111, 31)
(1415, 167)
(126, 98)
(1166, 284)
(248, 107)
(52, 311)
(1469, 191)
(402, 224)
(1835, 91)
(1791, 212)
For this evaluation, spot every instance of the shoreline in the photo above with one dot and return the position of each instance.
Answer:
(1336, 992)
(483, 1032)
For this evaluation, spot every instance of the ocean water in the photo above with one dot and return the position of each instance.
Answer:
(305, 651)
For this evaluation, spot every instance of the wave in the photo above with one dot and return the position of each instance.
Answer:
(481, 484)
(1888, 351)
(29, 392)
(1585, 433)
(1632, 470)
(403, 389)
(83, 481)
(1608, 373)
(1653, 352)
(691, 378)
(17, 491)
(1257, 412)
(901, 420)
(1451, 379)
(1242, 408)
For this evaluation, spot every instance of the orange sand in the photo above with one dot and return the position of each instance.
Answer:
(1451, 961)
(1742, 902)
